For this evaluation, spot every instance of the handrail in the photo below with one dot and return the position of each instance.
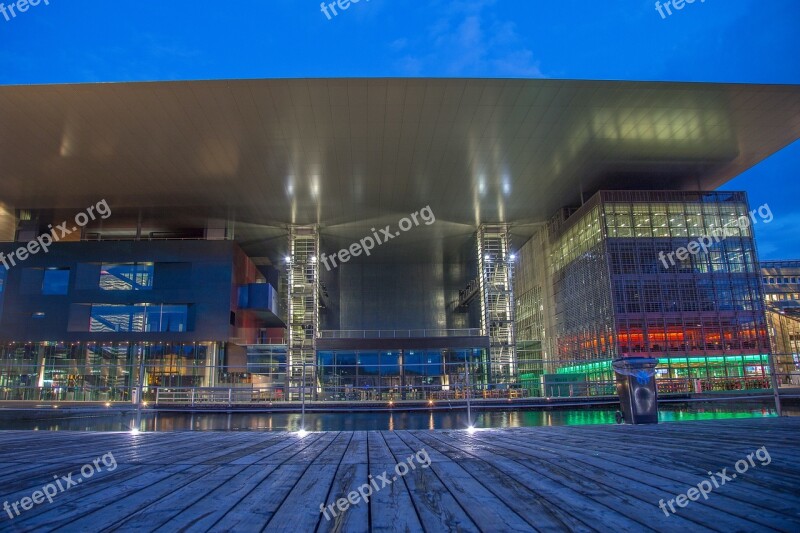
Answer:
(397, 333)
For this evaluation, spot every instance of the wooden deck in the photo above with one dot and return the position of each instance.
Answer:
(606, 478)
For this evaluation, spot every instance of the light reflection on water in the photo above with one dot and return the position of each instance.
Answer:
(372, 421)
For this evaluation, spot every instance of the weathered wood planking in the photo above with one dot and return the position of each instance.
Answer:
(580, 478)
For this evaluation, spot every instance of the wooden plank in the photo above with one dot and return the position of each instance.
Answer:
(391, 507)
(301, 509)
(589, 504)
(528, 504)
(480, 504)
(436, 507)
(209, 510)
(585, 478)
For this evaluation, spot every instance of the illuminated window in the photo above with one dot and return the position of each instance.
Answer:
(151, 318)
(126, 276)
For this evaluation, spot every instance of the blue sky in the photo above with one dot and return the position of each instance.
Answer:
(747, 41)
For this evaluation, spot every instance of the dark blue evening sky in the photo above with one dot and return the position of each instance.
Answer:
(748, 41)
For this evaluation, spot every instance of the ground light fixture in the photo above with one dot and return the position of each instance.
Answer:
(302, 432)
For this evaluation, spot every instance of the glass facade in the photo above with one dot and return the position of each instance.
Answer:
(615, 293)
(91, 371)
(402, 374)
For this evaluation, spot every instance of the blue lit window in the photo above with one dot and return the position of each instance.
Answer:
(152, 318)
(163, 318)
(55, 281)
(126, 276)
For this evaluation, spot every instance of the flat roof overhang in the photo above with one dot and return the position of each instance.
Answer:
(352, 154)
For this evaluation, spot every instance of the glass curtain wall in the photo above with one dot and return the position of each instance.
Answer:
(406, 375)
(100, 372)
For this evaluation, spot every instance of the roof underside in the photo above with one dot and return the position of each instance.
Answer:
(351, 154)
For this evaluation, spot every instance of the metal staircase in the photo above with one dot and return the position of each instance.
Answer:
(496, 265)
(303, 310)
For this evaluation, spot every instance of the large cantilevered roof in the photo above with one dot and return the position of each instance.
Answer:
(349, 154)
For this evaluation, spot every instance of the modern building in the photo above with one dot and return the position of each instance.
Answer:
(611, 285)
(781, 281)
(379, 239)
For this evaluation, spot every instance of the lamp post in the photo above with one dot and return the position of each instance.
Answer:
(470, 427)
(139, 391)
(303, 400)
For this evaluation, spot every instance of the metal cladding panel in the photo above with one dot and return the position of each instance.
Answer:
(395, 296)
(474, 150)
(206, 289)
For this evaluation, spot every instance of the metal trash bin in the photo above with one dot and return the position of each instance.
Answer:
(636, 387)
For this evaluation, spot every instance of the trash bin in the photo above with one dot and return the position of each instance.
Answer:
(636, 386)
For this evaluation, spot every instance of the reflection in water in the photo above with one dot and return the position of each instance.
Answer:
(376, 421)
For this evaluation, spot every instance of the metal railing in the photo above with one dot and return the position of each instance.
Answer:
(377, 379)
(396, 333)
(194, 396)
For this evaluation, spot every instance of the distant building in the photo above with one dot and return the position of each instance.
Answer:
(781, 281)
